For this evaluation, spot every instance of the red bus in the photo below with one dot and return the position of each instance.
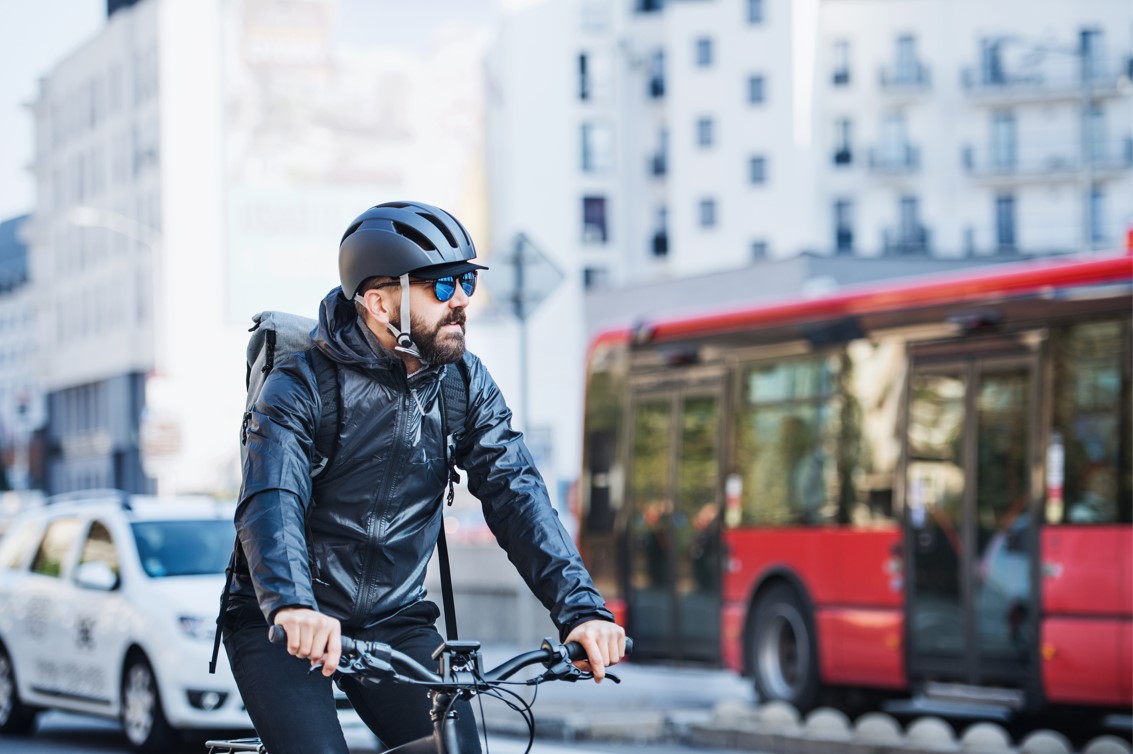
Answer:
(922, 487)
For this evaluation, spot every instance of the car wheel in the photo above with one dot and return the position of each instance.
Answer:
(15, 717)
(783, 646)
(142, 717)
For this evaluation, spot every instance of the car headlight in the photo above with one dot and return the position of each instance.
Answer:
(197, 628)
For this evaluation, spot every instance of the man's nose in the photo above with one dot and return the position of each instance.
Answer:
(460, 299)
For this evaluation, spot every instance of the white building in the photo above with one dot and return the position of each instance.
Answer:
(197, 162)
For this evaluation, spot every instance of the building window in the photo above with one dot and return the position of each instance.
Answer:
(758, 250)
(705, 132)
(907, 69)
(843, 150)
(843, 227)
(1097, 216)
(1092, 53)
(648, 6)
(755, 90)
(595, 277)
(703, 52)
(583, 78)
(706, 213)
(657, 74)
(1003, 140)
(597, 147)
(991, 62)
(755, 11)
(1005, 222)
(660, 241)
(841, 63)
(757, 170)
(594, 224)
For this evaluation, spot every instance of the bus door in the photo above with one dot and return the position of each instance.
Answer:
(674, 565)
(972, 591)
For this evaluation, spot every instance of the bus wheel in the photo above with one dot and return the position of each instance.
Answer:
(784, 655)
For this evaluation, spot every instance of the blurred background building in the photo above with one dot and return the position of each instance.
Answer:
(196, 162)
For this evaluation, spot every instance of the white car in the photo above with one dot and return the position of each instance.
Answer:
(108, 605)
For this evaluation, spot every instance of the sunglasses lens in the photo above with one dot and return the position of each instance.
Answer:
(468, 283)
(444, 288)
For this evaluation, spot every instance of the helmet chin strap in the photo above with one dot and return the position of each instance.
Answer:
(405, 342)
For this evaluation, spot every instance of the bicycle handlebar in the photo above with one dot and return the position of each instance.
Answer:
(384, 659)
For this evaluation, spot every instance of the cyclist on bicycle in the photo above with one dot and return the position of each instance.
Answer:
(349, 548)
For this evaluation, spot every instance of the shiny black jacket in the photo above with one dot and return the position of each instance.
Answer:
(359, 551)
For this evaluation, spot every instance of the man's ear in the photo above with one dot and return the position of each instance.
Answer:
(379, 303)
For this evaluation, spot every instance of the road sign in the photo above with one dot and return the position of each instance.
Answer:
(522, 277)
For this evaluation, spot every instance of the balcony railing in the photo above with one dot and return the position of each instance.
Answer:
(904, 242)
(1054, 78)
(895, 159)
(1106, 159)
(900, 79)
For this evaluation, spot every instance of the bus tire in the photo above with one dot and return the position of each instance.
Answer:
(783, 647)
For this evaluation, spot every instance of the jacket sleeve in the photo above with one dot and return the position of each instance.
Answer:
(276, 487)
(518, 510)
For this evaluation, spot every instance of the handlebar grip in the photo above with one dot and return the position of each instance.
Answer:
(576, 652)
(276, 635)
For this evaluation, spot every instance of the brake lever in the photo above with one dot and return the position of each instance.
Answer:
(566, 671)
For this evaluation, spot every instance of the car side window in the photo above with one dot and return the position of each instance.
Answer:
(53, 548)
(99, 547)
(17, 545)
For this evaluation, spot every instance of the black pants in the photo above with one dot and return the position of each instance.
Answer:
(293, 709)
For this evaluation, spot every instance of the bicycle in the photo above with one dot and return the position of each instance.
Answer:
(461, 675)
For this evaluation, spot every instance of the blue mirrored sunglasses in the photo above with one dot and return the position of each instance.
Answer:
(445, 288)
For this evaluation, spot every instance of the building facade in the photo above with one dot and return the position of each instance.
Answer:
(22, 408)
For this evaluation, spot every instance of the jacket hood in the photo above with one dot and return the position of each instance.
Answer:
(339, 336)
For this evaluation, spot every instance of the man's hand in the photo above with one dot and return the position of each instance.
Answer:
(312, 635)
(604, 642)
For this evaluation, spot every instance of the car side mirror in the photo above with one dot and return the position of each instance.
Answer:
(96, 575)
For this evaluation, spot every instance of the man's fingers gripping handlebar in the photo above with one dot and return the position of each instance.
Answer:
(374, 658)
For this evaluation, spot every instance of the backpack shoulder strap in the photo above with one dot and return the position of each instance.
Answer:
(326, 436)
(454, 412)
(454, 397)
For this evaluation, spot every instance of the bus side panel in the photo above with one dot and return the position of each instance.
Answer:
(850, 577)
(851, 653)
(732, 636)
(1085, 570)
(1087, 596)
(1082, 661)
(843, 567)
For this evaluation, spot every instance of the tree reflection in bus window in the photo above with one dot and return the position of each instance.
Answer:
(814, 439)
(1092, 413)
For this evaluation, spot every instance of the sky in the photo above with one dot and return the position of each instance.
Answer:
(34, 35)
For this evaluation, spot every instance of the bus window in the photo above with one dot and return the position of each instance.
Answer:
(1092, 416)
(814, 440)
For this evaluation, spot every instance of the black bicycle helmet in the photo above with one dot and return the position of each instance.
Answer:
(397, 238)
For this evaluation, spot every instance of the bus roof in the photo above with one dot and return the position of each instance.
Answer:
(903, 294)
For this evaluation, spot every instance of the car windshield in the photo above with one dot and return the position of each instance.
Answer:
(184, 548)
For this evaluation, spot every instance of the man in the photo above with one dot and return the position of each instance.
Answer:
(347, 551)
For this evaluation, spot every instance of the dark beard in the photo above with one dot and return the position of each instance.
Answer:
(434, 348)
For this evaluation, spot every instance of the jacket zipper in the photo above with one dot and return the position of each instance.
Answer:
(379, 508)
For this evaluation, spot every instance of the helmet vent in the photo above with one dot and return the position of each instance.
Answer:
(414, 235)
(441, 227)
